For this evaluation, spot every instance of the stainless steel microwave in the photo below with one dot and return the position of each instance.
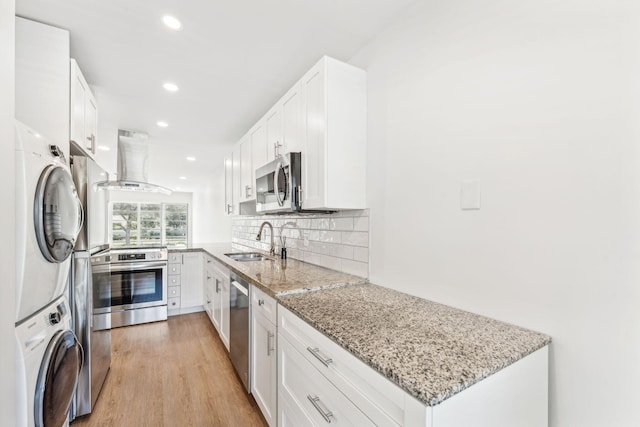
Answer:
(278, 185)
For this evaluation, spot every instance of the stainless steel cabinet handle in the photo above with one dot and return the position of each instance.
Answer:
(208, 261)
(270, 336)
(326, 361)
(260, 302)
(247, 191)
(230, 208)
(315, 401)
(208, 277)
(217, 286)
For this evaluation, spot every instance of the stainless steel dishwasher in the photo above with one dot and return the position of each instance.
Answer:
(239, 324)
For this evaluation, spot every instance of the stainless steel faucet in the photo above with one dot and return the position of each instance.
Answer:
(272, 250)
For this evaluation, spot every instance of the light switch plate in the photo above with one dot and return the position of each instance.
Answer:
(469, 195)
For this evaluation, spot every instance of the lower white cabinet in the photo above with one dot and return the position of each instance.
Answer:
(185, 292)
(217, 278)
(264, 380)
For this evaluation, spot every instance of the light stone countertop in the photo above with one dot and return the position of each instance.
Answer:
(431, 350)
(277, 277)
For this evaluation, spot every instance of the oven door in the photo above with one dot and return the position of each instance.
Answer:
(132, 285)
(276, 185)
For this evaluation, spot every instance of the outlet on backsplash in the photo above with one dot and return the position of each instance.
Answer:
(339, 241)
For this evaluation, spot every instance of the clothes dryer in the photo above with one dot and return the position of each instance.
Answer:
(48, 362)
(48, 218)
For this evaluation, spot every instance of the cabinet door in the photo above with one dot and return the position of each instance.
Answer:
(315, 144)
(259, 157)
(264, 384)
(273, 124)
(292, 120)
(90, 122)
(191, 279)
(235, 196)
(217, 301)
(246, 174)
(78, 89)
(224, 318)
(228, 184)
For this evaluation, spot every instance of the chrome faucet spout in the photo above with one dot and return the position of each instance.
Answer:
(272, 248)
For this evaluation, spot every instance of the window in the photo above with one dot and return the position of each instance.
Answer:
(149, 224)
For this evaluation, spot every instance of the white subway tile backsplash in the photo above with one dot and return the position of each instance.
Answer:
(339, 241)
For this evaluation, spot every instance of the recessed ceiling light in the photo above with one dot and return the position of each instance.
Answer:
(162, 124)
(183, 177)
(191, 158)
(171, 87)
(104, 148)
(172, 22)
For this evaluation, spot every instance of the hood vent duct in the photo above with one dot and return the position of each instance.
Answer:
(133, 165)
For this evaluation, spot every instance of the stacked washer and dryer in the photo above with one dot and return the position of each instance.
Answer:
(49, 217)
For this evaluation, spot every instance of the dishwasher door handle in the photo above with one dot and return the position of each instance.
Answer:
(241, 288)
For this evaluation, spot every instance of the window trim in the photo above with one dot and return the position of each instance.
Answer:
(163, 237)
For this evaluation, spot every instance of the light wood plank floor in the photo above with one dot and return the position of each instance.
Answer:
(173, 373)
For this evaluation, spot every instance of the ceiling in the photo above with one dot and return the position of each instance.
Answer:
(232, 60)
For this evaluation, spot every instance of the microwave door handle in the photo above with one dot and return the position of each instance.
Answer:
(276, 177)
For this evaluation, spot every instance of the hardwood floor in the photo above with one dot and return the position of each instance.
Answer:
(173, 373)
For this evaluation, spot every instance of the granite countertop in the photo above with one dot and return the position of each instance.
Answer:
(431, 350)
(277, 277)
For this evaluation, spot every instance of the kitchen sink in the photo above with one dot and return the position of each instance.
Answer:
(249, 256)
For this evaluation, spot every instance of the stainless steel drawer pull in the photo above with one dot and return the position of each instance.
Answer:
(316, 353)
(315, 401)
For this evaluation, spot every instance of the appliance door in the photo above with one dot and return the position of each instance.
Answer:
(132, 285)
(57, 379)
(276, 185)
(239, 315)
(92, 329)
(58, 214)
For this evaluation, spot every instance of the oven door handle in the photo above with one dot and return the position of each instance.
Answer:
(136, 266)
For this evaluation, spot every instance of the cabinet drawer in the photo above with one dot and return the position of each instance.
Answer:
(173, 302)
(173, 291)
(306, 394)
(376, 396)
(263, 303)
(175, 258)
(174, 280)
(174, 268)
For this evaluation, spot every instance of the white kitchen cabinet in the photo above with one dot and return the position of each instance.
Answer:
(310, 364)
(42, 80)
(259, 155)
(84, 111)
(284, 125)
(334, 126)
(246, 170)
(264, 380)
(220, 277)
(228, 184)
(236, 193)
(185, 276)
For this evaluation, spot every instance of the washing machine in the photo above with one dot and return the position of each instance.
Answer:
(48, 218)
(48, 362)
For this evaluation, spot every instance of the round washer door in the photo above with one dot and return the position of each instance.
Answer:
(58, 214)
(57, 379)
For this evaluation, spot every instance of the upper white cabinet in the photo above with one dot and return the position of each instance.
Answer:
(42, 80)
(228, 184)
(334, 103)
(324, 117)
(84, 111)
(246, 170)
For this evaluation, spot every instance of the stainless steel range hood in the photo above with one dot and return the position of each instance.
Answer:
(133, 171)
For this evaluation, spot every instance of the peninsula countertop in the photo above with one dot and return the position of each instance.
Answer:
(277, 277)
(431, 350)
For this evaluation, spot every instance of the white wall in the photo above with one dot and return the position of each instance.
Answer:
(211, 224)
(7, 215)
(539, 102)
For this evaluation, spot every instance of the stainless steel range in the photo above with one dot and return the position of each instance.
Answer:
(136, 289)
